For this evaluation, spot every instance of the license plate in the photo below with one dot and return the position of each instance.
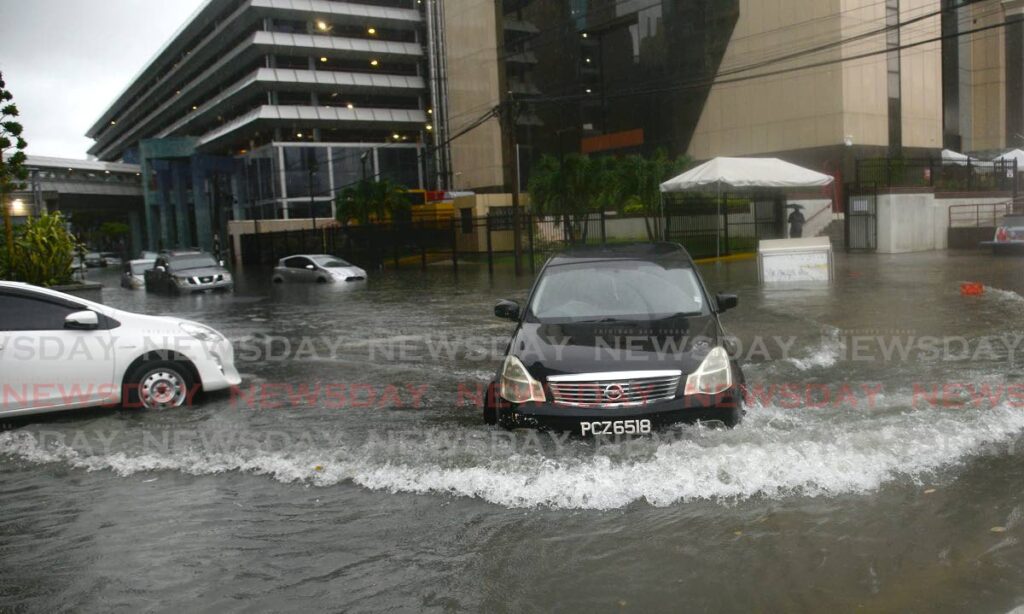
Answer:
(615, 427)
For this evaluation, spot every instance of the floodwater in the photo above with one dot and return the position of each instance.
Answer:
(864, 476)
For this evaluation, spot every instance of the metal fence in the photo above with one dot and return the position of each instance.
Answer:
(490, 240)
(971, 224)
(942, 175)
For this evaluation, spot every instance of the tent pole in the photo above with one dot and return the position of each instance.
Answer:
(718, 223)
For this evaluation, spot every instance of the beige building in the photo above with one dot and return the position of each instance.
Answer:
(819, 82)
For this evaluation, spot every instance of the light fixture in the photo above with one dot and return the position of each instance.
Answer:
(18, 207)
(584, 35)
(350, 105)
(177, 93)
(371, 30)
(374, 63)
(194, 107)
(323, 59)
(323, 26)
(588, 60)
(588, 90)
(396, 136)
(113, 123)
(429, 127)
(299, 135)
(334, 95)
(107, 172)
(430, 111)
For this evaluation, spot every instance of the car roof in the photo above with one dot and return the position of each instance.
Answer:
(309, 256)
(621, 251)
(183, 252)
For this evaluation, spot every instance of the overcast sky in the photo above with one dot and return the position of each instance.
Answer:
(66, 60)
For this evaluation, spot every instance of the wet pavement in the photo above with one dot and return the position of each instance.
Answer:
(879, 465)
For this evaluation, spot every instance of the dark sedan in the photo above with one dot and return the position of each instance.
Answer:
(617, 340)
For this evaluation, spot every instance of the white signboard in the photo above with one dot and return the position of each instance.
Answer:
(793, 260)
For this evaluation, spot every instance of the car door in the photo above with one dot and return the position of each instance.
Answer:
(297, 270)
(44, 365)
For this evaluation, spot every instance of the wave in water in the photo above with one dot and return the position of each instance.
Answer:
(775, 453)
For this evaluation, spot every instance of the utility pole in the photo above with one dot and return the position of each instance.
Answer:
(311, 164)
(511, 116)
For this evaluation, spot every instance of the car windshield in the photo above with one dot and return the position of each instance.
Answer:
(616, 291)
(138, 268)
(199, 261)
(332, 263)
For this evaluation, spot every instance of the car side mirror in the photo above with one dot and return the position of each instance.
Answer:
(726, 302)
(82, 320)
(508, 310)
(310, 267)
(161, 268)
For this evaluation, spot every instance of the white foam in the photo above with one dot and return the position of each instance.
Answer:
(1005, 295)
(771, 455)
(824, 354)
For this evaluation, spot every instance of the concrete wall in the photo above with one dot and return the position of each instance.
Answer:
(798, 110)
(918, 222)
(471, 36)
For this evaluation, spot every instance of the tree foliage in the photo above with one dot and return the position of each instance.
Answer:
(577, 185)
(12, 167)
(372, 201)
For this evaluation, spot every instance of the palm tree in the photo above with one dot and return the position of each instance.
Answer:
(372, 201)
(572, 188)
(639, 184)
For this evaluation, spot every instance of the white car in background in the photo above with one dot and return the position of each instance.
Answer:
(133, 274)
(316, 268)
(1009, 235)
(60, 352)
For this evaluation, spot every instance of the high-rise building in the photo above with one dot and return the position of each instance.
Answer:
(818, 82)
(268, 108)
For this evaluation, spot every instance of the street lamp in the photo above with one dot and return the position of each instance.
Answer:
(18, 207)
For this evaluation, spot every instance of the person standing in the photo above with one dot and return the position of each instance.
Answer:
(796, 223)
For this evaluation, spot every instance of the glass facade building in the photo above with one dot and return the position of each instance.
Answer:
(266, 109)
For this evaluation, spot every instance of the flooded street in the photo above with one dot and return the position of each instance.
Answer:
(879, 464)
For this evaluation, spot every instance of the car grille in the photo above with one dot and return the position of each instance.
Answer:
(205, 279)
(624, 389)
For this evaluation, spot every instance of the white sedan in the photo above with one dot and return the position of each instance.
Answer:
(316, 268)
(60, 352)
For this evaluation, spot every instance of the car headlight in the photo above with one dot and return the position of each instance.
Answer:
(714, 375)
(225, 277)
(181, 281)
(202, 333)
(516, 384)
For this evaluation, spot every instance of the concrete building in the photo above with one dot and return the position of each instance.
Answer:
(817, 82)
(89, 193)
(265, 109)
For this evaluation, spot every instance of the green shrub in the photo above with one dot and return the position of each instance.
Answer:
(43, 252)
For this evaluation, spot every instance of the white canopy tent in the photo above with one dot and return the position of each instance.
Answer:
(744, 173)
(1012, 155)
(954, 157)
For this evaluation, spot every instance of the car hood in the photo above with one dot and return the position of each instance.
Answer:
(555, 349)
(351, 271)
(203, 272)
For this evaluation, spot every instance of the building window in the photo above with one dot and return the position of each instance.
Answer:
(466, 219)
